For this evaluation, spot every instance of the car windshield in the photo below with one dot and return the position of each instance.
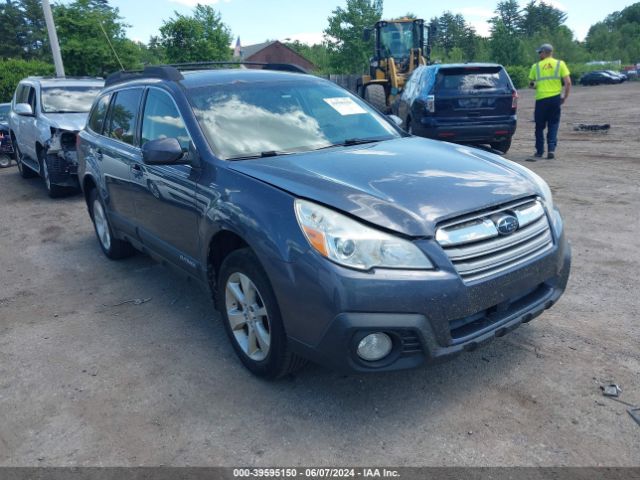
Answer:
(4, 113)
(268, 118)
(68, 99)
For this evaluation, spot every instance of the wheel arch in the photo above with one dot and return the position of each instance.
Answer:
(220, 246)
(88, 184)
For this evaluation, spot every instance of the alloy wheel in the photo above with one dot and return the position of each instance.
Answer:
(102, 225)
(248, 316)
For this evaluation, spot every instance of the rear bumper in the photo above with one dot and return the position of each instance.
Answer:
(469, 131)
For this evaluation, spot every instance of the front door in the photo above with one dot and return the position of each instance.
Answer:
(165, 195)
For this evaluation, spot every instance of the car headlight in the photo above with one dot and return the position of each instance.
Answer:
(352, 244)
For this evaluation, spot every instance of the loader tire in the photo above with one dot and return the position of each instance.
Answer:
(376, 96)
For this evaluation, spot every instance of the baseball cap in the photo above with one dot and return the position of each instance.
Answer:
(546, 47)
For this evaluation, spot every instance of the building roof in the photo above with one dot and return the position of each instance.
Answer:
(251, 50)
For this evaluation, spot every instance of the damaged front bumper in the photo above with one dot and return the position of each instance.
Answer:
(62, 158)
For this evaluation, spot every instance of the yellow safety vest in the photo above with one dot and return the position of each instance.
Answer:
(549, 79)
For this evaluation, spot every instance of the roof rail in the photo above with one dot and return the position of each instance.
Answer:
(284, 67)
(172, 71)
(164, 72)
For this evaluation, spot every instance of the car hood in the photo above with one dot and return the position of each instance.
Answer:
(73, 122)
(406, 185)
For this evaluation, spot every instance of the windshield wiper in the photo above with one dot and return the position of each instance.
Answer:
(268, 153)
(353, 141)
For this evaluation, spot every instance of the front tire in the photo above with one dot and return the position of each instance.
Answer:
(111, 246)
(5, 161)
(252, 318)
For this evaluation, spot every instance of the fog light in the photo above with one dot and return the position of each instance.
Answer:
(374, 347)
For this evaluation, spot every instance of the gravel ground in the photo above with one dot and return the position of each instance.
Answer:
(86, 379)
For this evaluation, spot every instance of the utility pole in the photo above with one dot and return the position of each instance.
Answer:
(53, 39)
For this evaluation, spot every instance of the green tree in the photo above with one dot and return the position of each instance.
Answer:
(507, 11)
(200, 37)
(617, 37)
(506, 46)
(349, 52)
(85, 49)
(152, 53)
(13, 70)
(317, 54)
(537, 17)
(11, 22)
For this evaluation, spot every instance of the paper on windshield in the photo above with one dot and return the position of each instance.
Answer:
(345, 106)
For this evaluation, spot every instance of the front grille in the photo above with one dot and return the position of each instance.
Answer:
(478, 250)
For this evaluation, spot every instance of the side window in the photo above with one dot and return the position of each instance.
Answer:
(31, 99)
(99, 113)
(161, 119)
(22, 94)
(122, 115)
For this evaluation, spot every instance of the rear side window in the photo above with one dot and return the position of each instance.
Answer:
(472, 79)
(161, 119)
(122, 115)
(99, 114)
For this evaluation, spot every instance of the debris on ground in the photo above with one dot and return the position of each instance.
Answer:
(134, 301)
(591, 127)
(611, 390)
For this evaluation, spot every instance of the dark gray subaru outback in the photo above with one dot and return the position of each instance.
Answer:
(323, 231)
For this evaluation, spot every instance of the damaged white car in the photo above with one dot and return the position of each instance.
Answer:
(46, 116)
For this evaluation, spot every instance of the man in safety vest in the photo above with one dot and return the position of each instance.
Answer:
(548, 76)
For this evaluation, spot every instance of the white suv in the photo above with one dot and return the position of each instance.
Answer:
(46, 115)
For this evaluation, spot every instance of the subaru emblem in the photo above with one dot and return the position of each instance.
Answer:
(506, 224)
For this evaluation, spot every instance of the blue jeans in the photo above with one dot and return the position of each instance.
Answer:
(547, 115)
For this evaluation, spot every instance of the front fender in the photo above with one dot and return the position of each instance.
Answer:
(262, 215)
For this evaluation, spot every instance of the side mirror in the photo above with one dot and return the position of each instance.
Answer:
(366, 35)
(395, 119)
(23, 109)
(162, 151)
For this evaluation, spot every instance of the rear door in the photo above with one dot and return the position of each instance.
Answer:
(474, 91)
(119, 152)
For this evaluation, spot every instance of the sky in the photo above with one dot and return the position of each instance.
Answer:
(256, 21)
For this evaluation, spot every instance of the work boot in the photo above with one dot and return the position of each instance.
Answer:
(551, 156)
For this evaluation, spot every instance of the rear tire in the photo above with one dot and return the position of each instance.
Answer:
(252, 319)
(376, 96)
(5, 161)
(112, 247)
(502, 146)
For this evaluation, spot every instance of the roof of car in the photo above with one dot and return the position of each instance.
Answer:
(66, 81)
(200, 78)
(466, 65)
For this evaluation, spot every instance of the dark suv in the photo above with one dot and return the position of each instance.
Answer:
(472, 103)
(323, 230)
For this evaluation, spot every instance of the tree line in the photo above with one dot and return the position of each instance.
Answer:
(93, 38)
